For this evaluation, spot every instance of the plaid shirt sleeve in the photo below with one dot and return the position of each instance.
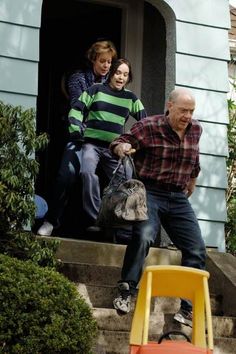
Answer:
(133, 137)
(196, 169)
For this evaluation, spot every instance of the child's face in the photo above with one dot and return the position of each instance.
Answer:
(120, 78)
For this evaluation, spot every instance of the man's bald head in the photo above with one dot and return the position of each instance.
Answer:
(181, 92)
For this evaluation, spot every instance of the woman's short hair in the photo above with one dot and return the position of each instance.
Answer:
(115, 65)
(100, 47)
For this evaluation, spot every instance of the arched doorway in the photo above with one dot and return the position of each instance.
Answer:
(66, 33)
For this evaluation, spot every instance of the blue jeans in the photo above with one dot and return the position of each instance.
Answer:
(67, 176)
(174, 212)
(91, 156)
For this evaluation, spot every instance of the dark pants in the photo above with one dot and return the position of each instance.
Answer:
(92, 155)
(67, 176)
(174, 211)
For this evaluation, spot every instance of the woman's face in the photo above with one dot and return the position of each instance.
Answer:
(120, 77)
(102, 64)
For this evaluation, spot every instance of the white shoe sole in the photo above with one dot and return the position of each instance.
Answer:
(121, 309)
(45, 230)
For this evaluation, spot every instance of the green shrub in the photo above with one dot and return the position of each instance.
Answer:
(230, 226)
(41, 312)
(19, 142)
(25, 246)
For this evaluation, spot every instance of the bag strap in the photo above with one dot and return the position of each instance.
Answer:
(128, 160)
(125, 161)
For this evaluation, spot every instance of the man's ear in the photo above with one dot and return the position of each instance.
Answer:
(168, 105)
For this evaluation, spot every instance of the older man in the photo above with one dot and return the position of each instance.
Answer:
(167, 161)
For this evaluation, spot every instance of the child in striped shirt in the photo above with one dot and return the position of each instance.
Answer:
(104, 108)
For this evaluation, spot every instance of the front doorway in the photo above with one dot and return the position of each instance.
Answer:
(68, 28)
(67, 31)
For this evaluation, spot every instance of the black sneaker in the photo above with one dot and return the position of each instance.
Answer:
(122, 303)
(184, 317)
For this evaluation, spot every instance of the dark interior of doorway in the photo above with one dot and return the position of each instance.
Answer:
(68, 28)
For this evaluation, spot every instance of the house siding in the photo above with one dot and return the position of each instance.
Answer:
(201, 72)
(210, 176)
(18, 76)
(204, 12)
(19, 53)
(208, 112)
(191, 37)
(21, 12)
(19, 41)
(202, 53)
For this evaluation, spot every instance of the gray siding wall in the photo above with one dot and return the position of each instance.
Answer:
(202, 52)
(19, 51)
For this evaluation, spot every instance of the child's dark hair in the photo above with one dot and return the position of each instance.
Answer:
(115, 65)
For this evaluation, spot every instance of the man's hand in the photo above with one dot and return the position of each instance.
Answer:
(123, 149)
(190, 187)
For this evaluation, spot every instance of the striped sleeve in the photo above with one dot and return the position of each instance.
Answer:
(138, 111)
(78, 113)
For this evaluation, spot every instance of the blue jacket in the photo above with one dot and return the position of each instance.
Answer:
(81, 81)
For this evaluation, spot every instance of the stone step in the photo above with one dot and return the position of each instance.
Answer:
(101, 281)
(224, 345)
(222, 267)
(112, 342)
(95, 268)
(91, 274)
(102, 297)
(117, 342)
(224, 326)
(108, 319)
(114, 329)
(160, 322)
(109, 254)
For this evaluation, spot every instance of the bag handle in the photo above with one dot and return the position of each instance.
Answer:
(129, 160)
(124, 161)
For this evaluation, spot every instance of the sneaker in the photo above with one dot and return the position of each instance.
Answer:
(123, 302)
(184, 317)
(45, 229)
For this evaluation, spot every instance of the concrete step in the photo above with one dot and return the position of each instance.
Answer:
(102, 296)
(108, 319)
(114, 329)
(95, 269)
(224, 345)
(222, 266)
(117, 342)
(112, 342)
(109, 254)
(160, 322)
(91, 274)
(101, 282)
